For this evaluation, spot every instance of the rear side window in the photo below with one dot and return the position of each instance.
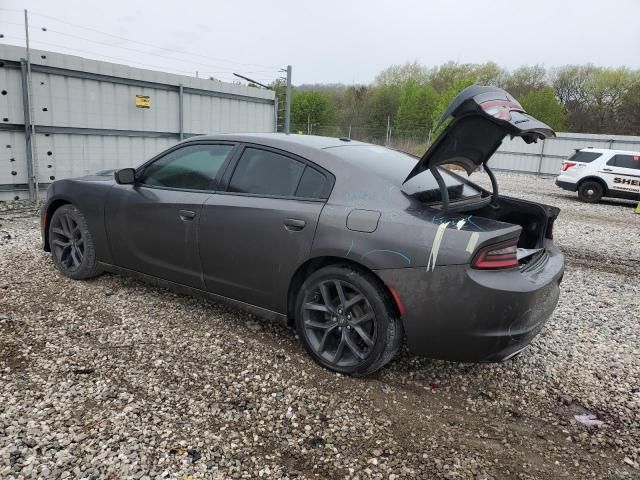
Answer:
(266, 173)
(584, 157)
(312, 184)
(625, 161)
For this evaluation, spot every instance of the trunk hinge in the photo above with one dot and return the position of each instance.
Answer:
(494, 185)
(443, 188)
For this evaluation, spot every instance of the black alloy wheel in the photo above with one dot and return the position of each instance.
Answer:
(67, 242)
(71, 244)
(346, 321)
(339, 323)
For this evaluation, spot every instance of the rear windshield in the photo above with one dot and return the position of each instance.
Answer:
(584, 157)
(394, 166)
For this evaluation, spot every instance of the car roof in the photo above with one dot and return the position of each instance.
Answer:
(281, 140)
(609, 150)
(312, 147)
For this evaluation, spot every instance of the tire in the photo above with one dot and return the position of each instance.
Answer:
(365, 322)
(71, 243)
(590, 191)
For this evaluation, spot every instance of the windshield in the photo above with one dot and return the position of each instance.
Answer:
(394, 166)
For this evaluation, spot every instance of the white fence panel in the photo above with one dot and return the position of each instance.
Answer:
(546, 157)
(87, 120)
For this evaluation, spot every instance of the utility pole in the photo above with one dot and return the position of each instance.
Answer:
(388, 130)
(275, 113)
(287, 108)
(34, 156)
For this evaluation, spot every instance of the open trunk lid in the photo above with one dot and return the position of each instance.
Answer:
(481, 118)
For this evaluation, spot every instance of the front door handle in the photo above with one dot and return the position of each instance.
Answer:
(187, 215)
(607, 170)
(294, 224)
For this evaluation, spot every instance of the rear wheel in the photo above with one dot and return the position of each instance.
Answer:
(71, 244)
(346, 321)
(590, 191)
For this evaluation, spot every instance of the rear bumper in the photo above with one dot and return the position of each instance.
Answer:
(462, 314)
(571, 186)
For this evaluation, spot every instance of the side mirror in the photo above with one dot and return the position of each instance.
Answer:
(125, 176)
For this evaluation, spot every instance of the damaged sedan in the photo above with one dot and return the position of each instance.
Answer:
(355, 245)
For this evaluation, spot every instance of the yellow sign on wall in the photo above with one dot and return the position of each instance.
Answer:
(143, 101)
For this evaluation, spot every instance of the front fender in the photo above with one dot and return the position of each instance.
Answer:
(88, 197)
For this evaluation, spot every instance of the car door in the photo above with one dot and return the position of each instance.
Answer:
(254, 235)
(152, 225)
(622, 173)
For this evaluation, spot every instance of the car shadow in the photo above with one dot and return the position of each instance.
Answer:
(616, 202)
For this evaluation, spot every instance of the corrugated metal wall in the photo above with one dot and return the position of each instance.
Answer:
(86, 119)
(546, 157)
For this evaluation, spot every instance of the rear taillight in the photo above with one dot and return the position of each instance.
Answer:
(499, 255)
(567, 165)
(501, 108)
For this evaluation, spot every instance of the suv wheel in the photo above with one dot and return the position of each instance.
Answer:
(590, 192)
(346, 321)
(71, 244)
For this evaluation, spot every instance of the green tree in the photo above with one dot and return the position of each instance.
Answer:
(543, 105)
(525, 79)
(416, 105)
(396, 75)
(490, 74)
(629, 123)
(606, 91)
(353, 106)
(310, 109)
(445, 99)
(382, 103)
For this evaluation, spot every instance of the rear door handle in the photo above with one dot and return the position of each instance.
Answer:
(294, 224)
(187, 215)
(607, 170)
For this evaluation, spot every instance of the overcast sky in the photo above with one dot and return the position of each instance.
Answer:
(330, 40)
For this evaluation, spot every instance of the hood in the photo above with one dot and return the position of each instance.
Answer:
(480, 119)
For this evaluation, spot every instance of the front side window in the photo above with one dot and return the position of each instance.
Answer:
(262, 172)
(625, 161)
(193, 167)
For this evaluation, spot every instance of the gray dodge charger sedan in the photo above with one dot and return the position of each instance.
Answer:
(357, 245)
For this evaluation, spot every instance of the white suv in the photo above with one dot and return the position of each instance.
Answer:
(600, 172)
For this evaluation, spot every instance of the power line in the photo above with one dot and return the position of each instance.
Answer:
(143, 52)
(109, 56)
(153, 46)
(190, 62)
(228, 75)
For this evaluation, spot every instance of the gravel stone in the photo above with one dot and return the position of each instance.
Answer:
(112, 378)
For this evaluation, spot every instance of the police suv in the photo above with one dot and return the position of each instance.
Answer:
(597, 172)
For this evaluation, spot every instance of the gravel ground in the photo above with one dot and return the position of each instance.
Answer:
(112, 378)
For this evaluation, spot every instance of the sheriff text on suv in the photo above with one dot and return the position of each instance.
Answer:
(596, 172)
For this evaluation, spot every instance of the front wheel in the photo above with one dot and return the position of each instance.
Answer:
(71, 244)
(346, 321)
(590, 192)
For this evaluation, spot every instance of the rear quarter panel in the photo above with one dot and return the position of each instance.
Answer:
(407, 233)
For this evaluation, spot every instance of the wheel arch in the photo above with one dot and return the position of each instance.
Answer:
(314, 264)
(46, 220)
(593, 178)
